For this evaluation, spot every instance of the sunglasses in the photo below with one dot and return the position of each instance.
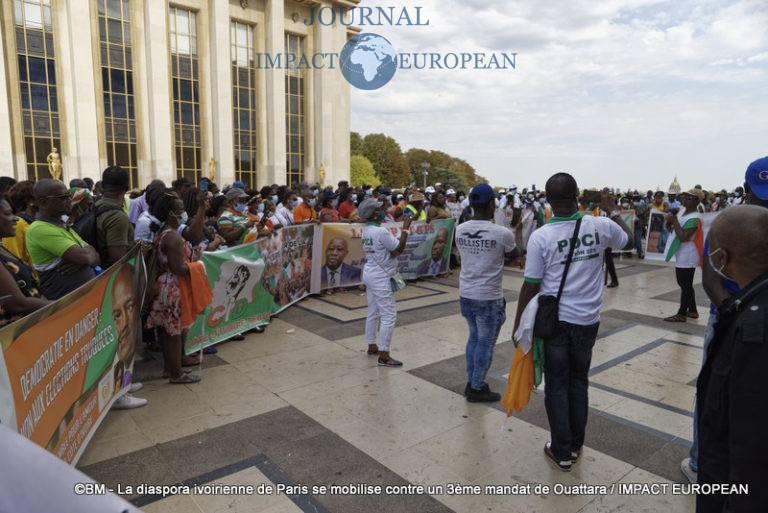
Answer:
(58, 196)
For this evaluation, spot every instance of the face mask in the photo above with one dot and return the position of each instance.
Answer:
(625, 206)
(382, 215)
(239, 208)
(736, 194)
(294, 203)
(314, 191)
(712, 265)
(368, 192)
(354, 197)
(542, 200)
(637, 203)
(389, 198)
(461, 198)
(513, 191)
(530, 196)
(312, 202)
(261, 208)
(657, 201)
(274, 199)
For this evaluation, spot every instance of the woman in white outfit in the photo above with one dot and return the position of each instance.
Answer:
(381, 252)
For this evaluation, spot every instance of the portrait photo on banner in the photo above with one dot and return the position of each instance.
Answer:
(658, 233)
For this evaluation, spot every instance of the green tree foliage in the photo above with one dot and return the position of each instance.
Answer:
(387, 159)
(356, 143)
(361, 172)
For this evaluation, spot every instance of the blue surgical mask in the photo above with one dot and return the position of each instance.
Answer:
(274, 199)
(261, 207)
(368, 192)
(530, 196)
(461, 198)
(389, 198)
(240, 208)
(354, 197)
(312, 202)
(294, 203)
(638, 203)
(736, 194)
(314, 191)
(542, 200)
(720, 270)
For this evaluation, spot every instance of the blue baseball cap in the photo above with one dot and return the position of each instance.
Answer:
(481, 193)
(757, 178)
(238, 185)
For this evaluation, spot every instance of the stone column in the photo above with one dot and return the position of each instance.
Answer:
(73, 41)
(323, 105)
(7, 162)
(274, 79)
(153, 83)
(221, 140)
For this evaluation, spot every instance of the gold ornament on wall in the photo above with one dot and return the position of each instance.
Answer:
(54, 164)
(212, 169)
(321, 171)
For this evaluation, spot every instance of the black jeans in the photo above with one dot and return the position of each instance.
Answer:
(609, 265)
(568, 355)
(687, 295)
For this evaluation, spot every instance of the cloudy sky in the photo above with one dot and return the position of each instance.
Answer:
(621, 93)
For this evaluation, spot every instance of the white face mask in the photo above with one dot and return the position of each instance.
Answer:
(184, 218)
(294, 203)
(720, 270)
(261, 207)
(240, 208)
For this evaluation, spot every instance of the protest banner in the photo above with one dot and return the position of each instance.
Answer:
(252, 282)
(62, 367)
(339, 257)
(628, 216)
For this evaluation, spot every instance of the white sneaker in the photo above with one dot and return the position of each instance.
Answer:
(688, 471)
(135, 387)
(127, 402)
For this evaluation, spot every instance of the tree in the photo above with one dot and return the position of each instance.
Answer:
(387, 159)
(361, 172)
(356, 144)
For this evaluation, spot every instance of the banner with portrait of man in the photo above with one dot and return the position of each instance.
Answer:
(63, 366)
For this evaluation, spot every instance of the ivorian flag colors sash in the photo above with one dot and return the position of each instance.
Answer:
(673, 244)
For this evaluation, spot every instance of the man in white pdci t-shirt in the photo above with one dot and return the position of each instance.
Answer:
(483, 246)
(568, 353)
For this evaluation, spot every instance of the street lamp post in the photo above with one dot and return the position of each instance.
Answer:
(425, 166)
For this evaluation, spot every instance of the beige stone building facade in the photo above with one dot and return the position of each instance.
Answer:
(171, 89)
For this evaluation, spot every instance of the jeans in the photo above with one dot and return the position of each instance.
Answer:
(609, 265)
(687, 294)
(568, 355)
(695, 445)
(639, 239)
(485, 318)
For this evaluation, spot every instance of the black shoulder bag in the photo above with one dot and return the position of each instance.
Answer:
(548, 314)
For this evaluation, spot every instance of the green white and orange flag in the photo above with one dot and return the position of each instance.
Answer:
(687, 222)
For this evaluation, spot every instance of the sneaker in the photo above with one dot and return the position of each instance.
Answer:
(484, 395)
(390, 362)
(135, 387)
(688, 471)
(564, 465)
(128, 402)
(575, 455)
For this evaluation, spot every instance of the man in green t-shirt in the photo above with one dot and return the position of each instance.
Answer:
(62, 259)
(114, 231)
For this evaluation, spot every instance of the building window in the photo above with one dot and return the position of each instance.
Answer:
(117, 85)
(186, 93)
(294, 112)
(37, 81)
(244, 103)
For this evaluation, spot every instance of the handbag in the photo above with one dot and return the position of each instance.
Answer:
(396, 281)
(548, 314)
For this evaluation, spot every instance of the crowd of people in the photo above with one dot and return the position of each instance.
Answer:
(56, 238)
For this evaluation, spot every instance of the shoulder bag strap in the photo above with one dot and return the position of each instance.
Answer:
(570, 257)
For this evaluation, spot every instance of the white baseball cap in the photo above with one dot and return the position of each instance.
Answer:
(429, 190)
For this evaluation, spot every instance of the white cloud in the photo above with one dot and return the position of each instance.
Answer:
(621, 92)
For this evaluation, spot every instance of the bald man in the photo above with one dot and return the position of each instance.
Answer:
(335, 273)
(437, 264)
(731, 389)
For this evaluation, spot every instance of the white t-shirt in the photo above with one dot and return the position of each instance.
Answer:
(548, 250)
(482, 245)
(378, 244)
(687, 256)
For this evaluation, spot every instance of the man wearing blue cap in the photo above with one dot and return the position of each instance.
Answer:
(483, 246)
(719, 289)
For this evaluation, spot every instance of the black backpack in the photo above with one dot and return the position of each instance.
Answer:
(85, 225)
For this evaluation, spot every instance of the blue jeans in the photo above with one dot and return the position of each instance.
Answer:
(485, 319)
(638, 238)
(567, 356)
(695, 445)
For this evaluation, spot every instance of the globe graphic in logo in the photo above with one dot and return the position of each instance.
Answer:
(368, 61)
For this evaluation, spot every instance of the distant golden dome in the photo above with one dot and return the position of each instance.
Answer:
(675, 187)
